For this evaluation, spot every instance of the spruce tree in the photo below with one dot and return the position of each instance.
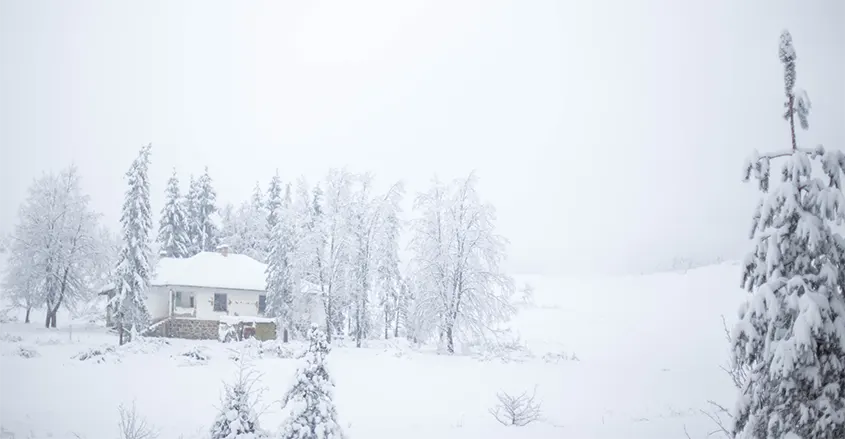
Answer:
(313, 414)
(192, 216)
(281, 280)
(172, 230)
(237, 418)
(205, 210)
(791, 332)
(133, 269)
(254, 239)
(274, 201)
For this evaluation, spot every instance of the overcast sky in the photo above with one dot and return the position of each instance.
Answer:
(608, 134)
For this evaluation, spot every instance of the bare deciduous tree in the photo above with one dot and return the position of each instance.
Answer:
(133, 426)
(518, 410)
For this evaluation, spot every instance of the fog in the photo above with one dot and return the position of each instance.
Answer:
(610, 135)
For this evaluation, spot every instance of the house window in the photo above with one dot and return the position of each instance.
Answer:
(221, 302)
(181, 301)
(262, 304)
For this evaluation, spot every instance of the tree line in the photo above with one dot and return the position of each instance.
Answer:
(335, 242)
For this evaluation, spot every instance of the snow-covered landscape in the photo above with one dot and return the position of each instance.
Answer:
(635, 356)
(427, 219)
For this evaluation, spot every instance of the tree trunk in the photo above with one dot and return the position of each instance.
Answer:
(328, 322)
(120, 332)
(358, 326)
(53, 318)
(285, 335)
(47, 319)
(450, 344)
(28, 309)
(386, 325)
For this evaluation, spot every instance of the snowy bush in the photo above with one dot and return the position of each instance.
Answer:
(195, 355)
(518, 410)
(237, 418)
(528, 294)
(312, 412)
(48, 342)
(7, 316)
(26, 352)
(11, 338)
(556, 357)
(227, 333)
(98, 355)
(132, 426)
(507, 349)
(144, 345)
(276, 349)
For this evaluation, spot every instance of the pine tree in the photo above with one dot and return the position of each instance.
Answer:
(172, 230)
(254, 239)
(206, 210)
(133, 268)
(791, 332)
(313, 413)
(274, 201)
(237, 418)
(192, 216)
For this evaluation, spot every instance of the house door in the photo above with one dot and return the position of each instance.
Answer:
(249, 332)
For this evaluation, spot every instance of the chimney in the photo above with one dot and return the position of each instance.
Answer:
(223, 249)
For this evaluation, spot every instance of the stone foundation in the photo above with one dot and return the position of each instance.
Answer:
(191, 329)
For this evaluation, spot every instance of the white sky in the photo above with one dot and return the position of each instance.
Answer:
(609, 134)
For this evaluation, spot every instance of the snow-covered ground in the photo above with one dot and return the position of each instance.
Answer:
(648, 352)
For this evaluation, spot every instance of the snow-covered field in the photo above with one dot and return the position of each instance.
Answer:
(648, 352)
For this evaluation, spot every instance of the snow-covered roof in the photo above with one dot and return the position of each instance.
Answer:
(212, 270)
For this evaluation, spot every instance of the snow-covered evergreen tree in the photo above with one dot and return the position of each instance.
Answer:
(230, 227)
(791, 332)
(457, 263)
(206, 210)
(133, 269)
(173, 227)
(192, 216)
(312, 411)
(237, 418)
(274, 201)
(254, 237)
(282, 273)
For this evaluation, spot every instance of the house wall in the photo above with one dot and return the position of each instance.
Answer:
(240, 302)
(158, 302)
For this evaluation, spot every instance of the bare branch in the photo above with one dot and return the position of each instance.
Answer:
(516, 410)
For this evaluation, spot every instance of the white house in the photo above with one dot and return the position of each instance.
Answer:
(188, 296)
